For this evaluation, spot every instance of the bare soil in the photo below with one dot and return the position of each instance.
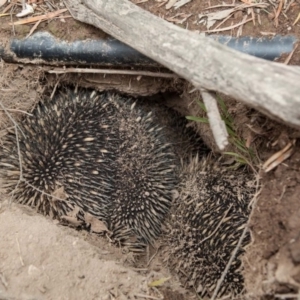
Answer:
(40, 259)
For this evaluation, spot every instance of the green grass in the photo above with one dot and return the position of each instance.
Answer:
(242, 154)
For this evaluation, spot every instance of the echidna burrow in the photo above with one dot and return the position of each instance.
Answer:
(119, 160)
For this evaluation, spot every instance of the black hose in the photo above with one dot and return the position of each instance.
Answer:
(89, 52)
(110, 52)
(266, 48)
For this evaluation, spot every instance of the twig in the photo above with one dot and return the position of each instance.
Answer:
(216, 123)
(40, 191)
(17, 110)
(278, 12)
(288, 6)
(108, 71)
(11, 19)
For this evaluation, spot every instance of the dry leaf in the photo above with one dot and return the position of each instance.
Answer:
(72, 221)
(60, 193)
(213, 17)
(28, 10)
(74, 212)
(2, 2)
(170, 4)
(97, 226)
(181, 3)
(72, 218)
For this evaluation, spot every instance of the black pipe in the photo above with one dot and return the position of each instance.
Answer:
(89, 52)
(266, 48)
(43, 46)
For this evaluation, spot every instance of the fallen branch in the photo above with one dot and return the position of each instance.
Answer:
(271, 88)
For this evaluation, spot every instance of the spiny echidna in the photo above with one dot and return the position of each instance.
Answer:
(111, 158)
(207, 221)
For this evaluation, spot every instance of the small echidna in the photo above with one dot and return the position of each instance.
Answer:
(109, 156)
(208, 218)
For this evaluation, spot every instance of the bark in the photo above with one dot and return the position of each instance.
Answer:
(271, 88)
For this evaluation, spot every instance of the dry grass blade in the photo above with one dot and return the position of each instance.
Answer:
(229, 27)
(291, 54)
(227, 13)
(33, 28)
(240, 30)
(40, 18)
(279, 9)
(278, 157)
(297, 19)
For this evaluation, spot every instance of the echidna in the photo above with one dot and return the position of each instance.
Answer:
(111, 158)
(207, 221)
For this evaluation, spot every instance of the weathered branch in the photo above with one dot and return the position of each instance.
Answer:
(271, 88)
(217, 125)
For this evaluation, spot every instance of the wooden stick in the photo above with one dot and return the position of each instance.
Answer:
(110, 71)
(271, 88)
(217, 125)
